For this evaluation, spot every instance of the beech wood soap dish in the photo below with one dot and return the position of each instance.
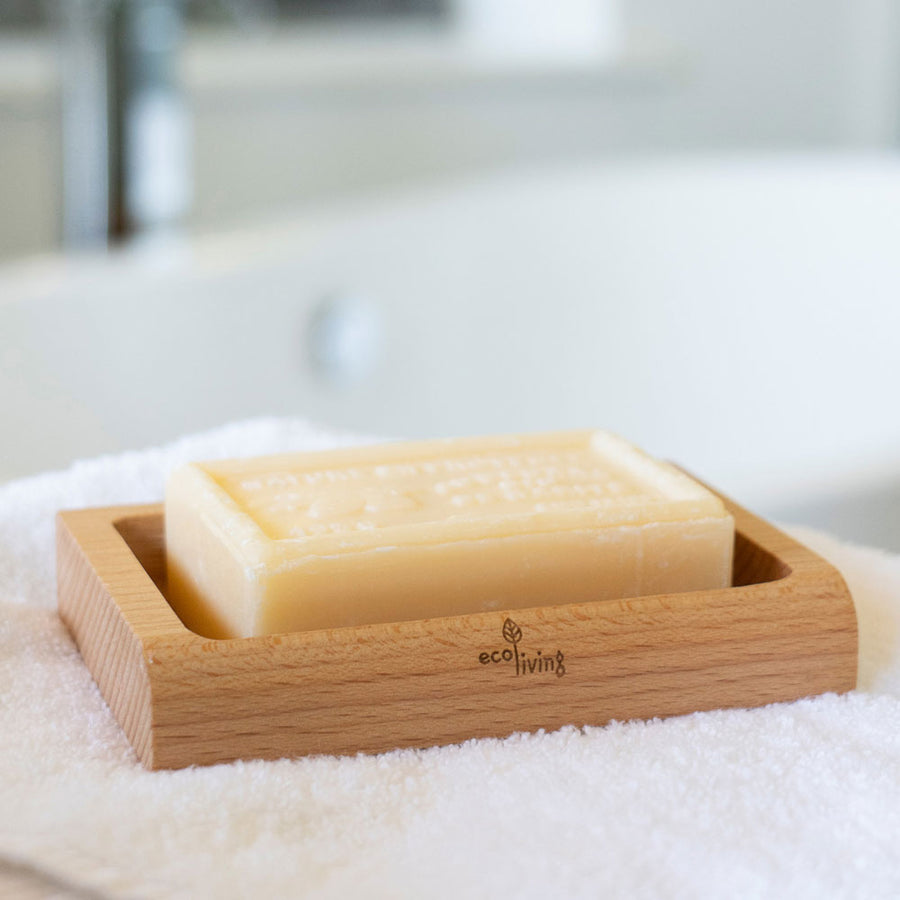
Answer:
(785, 629)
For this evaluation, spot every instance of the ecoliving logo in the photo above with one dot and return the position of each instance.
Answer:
(525, 665)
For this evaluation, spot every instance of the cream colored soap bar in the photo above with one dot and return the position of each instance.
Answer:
(408, 531)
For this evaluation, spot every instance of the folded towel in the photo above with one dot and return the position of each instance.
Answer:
(792, 800)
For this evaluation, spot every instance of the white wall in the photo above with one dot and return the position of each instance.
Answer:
(286, 119)
(30, 186)
(279, 121)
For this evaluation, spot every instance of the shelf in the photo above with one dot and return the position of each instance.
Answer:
(324, 60)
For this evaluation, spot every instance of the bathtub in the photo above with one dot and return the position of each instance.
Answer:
(739, 316)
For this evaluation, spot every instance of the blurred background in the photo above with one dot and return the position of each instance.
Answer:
(677, 219)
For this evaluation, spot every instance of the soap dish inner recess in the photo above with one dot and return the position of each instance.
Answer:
(145, 537)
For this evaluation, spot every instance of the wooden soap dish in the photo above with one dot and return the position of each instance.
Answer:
(785, 629)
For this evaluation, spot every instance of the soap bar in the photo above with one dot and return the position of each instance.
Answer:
(391, 532)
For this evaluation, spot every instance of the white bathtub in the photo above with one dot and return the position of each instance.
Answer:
(741, 317)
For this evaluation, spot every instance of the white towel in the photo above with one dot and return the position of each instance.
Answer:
(793, 800)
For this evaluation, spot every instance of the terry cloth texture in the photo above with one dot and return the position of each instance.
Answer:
(793, 800)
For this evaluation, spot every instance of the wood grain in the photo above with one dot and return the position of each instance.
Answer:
(786, 629)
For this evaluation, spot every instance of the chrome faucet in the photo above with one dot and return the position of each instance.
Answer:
(126, 168)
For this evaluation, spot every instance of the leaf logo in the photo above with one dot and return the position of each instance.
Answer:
(511, 632)
(526, 662)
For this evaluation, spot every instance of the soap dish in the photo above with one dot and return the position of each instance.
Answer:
(785, 629)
